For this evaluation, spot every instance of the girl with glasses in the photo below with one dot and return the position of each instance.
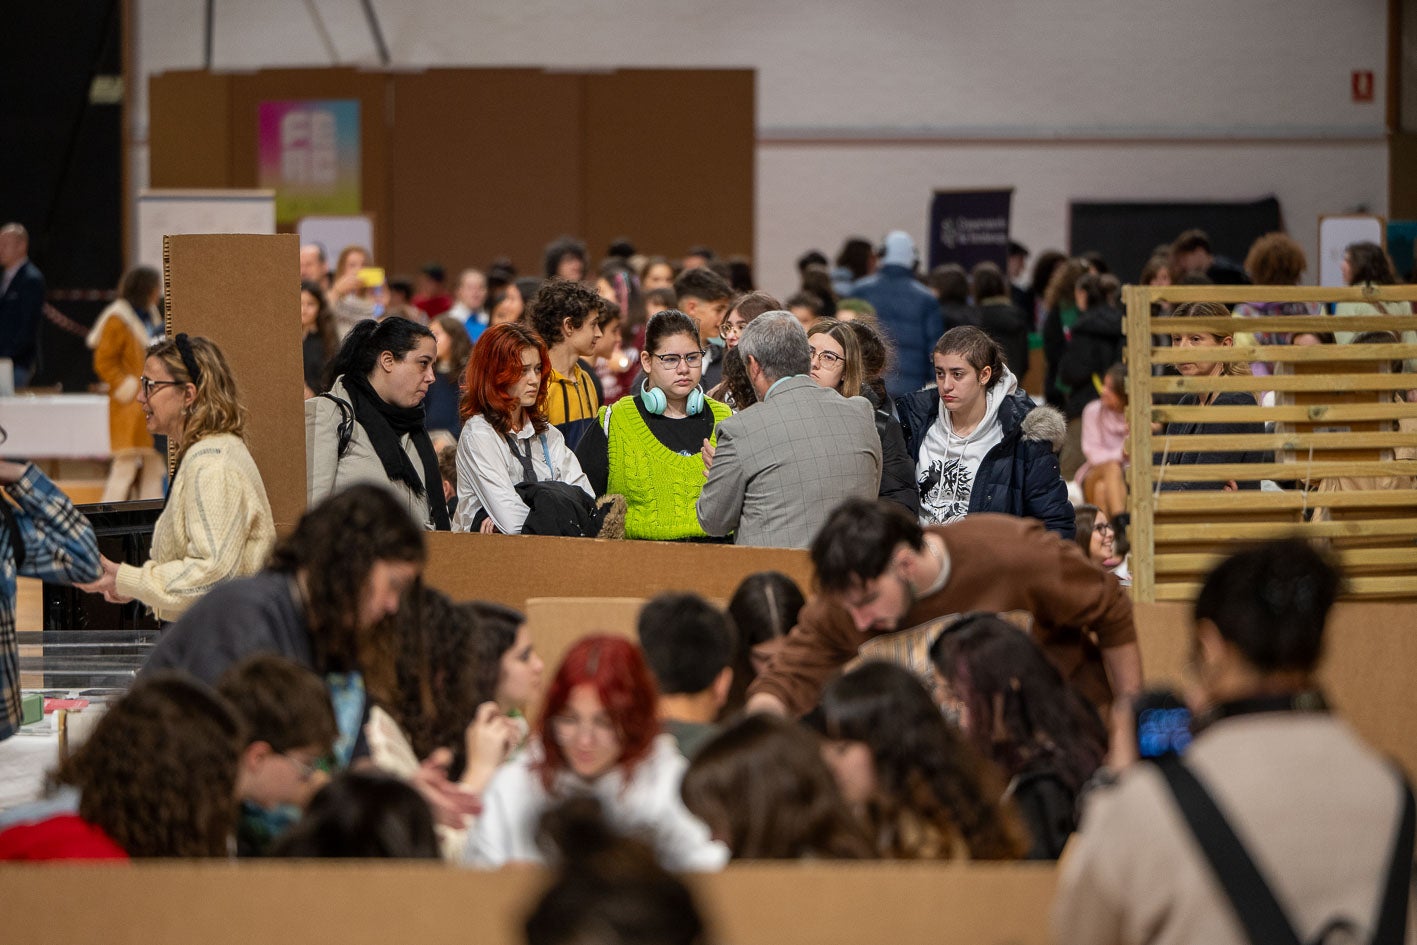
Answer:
(598, 735)
(646, 446)
(837, 365)
(217, 524)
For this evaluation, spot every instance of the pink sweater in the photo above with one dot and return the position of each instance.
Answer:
(1103, 435)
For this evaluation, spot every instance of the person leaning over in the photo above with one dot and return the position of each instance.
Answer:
(217, 524)
(1315, 810)
(779, 468)
(321, 602)
(878, 571)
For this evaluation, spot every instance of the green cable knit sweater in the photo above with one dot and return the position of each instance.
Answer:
(660, 486)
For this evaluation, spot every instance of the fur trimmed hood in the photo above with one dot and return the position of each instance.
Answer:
(1045, 424)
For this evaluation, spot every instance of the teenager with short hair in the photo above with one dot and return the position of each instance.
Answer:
(704, 296)
(566, 315)
(688, 644)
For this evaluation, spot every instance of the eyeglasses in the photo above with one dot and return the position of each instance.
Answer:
(671, 361)
(567, 727)
(150, 385)
(829, 358)
(732, 327)
(1103, 528)
(305, 769)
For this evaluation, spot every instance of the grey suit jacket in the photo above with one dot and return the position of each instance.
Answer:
(782, 465)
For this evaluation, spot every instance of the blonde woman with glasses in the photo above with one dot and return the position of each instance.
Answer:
(837, 365)
(217, 524)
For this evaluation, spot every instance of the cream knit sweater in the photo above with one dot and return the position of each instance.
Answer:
(217, 525)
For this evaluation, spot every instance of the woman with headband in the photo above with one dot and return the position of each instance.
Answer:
(217, 524)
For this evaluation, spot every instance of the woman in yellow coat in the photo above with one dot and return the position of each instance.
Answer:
(119, 340)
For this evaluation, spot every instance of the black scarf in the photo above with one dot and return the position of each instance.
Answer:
(385, 423)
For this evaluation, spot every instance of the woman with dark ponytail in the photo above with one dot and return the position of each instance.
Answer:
(369, 426)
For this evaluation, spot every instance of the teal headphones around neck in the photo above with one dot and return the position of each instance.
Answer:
(656, 403)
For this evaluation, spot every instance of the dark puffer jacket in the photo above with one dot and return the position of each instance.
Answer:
(1019, 476)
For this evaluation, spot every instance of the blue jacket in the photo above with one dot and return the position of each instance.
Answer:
(911, 318)
(1020, 475)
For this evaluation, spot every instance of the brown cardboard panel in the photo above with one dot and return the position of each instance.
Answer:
(1370, 649)
(510, 569)
(243, 292)
(376, 903)
(670, 159)
(483, 163)
(554, 623)
(189, 130)
(248, 90)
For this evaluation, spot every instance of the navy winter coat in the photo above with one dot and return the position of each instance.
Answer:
(1019, 476)
(911, 318)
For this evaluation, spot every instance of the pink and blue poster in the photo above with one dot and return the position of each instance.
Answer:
(308, 153)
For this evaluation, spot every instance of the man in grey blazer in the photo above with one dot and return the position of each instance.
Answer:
(782, 465)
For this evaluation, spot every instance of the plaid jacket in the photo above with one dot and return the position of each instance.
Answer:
(59, 546)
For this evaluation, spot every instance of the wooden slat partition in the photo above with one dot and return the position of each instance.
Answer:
(1338, 414)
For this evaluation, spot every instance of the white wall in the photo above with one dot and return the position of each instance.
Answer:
(1160, 83)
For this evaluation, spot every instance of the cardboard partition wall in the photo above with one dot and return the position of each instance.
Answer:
(243, 292)
(376, 903)
(511, 569)
(1369, 652)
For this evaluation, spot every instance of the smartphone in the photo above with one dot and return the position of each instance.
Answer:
(371, 277)
(1163, 724)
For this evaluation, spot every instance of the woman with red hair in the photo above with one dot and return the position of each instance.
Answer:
(598, 735)
(505, 437)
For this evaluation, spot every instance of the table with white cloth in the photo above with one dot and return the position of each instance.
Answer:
(55, 426)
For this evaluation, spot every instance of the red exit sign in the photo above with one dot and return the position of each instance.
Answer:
(1362, 85)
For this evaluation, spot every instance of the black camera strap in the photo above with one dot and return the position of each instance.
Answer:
(1254, 903)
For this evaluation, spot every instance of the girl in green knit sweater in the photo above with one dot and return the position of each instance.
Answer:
(646, 446)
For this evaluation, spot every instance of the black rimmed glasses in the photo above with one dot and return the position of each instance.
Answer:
(829, 358)
(150, 385)
(671, 361)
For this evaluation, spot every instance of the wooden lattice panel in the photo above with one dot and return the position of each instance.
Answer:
(1340, 430)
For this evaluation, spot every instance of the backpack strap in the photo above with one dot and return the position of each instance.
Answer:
(1250, 896)
(1392, 910)
(346, 420)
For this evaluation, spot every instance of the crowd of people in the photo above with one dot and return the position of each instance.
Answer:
(962, 682)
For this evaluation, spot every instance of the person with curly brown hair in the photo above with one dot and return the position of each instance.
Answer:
(156, 779)
(436, 729)
(565, 315)
(921, 789)
(322, 602)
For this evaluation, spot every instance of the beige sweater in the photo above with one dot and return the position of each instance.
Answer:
(217, 525)
(1316, 808)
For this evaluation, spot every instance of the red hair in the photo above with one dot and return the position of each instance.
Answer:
(615, 668)
(496, 363)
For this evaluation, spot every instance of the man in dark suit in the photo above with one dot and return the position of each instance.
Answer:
(21, 302)
(783, 464)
